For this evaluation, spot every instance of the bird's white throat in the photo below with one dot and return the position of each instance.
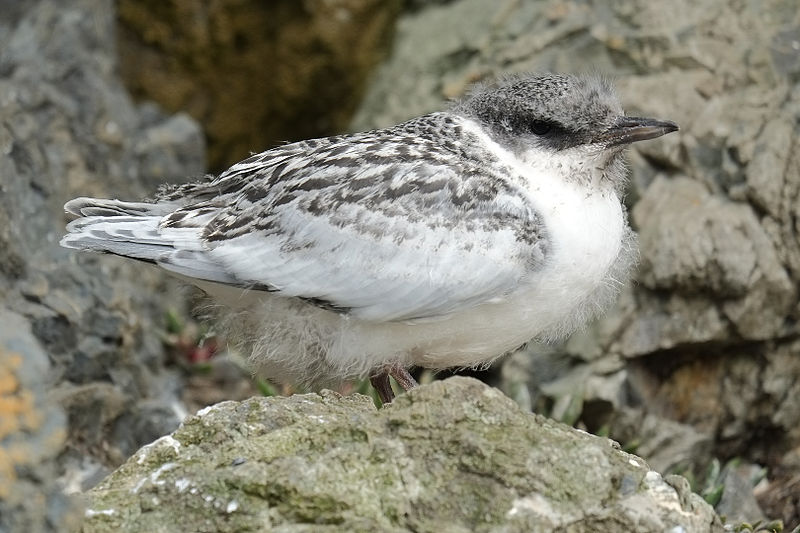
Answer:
(585, 226)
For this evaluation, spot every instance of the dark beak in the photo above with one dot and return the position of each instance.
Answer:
(631, 129)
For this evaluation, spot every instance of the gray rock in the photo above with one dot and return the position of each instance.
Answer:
(781, 389)
(455, 455)
(738, 503)
(669, 321)
(32, 435)
(692, 241)
(668, 445)
(708, 338)
(780, 494)
(766, 172)
(715, 304)
(253, 73)
(69, 128)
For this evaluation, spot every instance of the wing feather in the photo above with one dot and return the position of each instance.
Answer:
(412, 222)
(399, 238)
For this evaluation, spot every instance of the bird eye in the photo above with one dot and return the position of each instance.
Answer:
(540, 127)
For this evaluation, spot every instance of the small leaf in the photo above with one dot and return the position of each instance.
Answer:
(174, 324)
(713, 495)
(265, 388)
(776, 526)
(632, 446)
(712, 475)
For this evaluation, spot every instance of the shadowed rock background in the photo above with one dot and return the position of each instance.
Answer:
(700, 359)
(254, 73)
(697, 366)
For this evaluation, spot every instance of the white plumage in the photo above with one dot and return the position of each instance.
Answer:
(448, 240)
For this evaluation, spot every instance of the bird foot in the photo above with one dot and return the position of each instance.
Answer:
(380, 382)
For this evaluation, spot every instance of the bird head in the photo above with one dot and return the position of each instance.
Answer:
(574, 123)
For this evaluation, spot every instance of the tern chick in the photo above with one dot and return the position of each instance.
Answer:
(445, 241)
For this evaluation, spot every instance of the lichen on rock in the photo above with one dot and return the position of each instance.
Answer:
(716, 206)
(455, 455)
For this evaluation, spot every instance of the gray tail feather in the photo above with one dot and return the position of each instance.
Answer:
(132, 229)
(130, 236)
(89, 207)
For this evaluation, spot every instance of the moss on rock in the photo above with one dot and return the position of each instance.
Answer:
(454, 455)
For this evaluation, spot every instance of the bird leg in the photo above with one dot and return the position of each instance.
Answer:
(380, 382)
(403, 377)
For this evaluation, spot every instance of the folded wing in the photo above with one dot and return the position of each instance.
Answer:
(393, 231)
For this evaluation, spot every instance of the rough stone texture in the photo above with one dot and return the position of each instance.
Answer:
(708, 335)
(32, 434)
(737, 503)
(668, 446)
(707, 338)
(455, 455)
(781, 496)
(81, 332)
(254, 73)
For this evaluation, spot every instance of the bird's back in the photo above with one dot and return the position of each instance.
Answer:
(411, 222)
(447, 240)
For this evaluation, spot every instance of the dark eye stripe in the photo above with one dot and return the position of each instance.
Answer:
(541, 127)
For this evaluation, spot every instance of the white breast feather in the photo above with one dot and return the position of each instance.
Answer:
(591, 248)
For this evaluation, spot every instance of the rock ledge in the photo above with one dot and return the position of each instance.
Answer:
(455, 455)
